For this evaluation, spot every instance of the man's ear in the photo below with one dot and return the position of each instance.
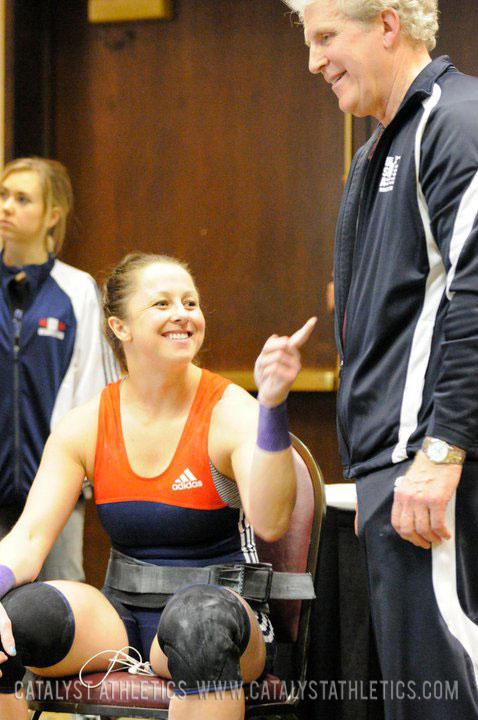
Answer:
(391, 25)
(119, 328)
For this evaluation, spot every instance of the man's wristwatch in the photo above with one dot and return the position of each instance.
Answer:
(440, 452)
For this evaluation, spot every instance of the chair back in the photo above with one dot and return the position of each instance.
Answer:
(297, 550)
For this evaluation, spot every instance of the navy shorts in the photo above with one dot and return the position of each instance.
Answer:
(142, 625)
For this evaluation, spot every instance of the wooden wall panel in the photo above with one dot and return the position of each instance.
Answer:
(31, 43)
(206, 137)
(457, 35)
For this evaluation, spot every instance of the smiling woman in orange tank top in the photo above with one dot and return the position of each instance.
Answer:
(186, 467)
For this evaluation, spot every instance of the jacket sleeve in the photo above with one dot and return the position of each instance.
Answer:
(92, 365)
(449, 181)
(95, 365)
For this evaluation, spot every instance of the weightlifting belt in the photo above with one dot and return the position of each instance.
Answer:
(256, 582)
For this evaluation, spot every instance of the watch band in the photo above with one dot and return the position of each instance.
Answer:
(442, 453)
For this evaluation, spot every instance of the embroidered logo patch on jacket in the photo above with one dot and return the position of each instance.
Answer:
(389, 173)
(51, 327)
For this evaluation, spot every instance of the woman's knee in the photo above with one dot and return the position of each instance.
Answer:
(43, 627)
(203, 631)
(42, 623)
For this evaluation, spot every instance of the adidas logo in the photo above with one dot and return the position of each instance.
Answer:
(186, 481)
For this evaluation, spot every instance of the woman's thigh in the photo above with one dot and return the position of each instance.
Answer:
(97, 627)
(252, 660)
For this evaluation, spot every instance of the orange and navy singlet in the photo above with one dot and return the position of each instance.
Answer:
(188, 515)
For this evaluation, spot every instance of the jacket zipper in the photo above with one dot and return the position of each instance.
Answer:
(17, 328)
(341, 424)
(341, 420)
(340, 414)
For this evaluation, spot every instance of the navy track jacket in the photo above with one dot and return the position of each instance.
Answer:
(52, 358)
(406, 278)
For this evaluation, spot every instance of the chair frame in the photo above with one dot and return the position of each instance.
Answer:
(288, 707)
(299, 659)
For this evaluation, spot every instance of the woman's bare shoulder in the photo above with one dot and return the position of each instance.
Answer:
(77, 432)
(78, 420)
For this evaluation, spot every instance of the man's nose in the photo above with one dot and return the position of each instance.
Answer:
(317, 60)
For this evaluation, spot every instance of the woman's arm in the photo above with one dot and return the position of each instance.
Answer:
(67, 456)
(250, 442)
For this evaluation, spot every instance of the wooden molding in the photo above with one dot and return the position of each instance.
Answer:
(308, 380)
(100, 11)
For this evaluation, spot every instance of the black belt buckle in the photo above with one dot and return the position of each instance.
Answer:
(229, 576)
(253, 580)
(258, 582)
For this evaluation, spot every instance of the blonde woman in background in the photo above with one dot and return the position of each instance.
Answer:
(52, 352)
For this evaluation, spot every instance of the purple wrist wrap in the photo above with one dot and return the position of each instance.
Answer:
(273, 430)
(7, 580)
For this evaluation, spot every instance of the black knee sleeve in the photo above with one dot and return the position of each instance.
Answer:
(203, 631)
(43, 627)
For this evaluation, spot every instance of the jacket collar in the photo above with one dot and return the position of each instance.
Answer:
(422, 86)
(424, 82)
(36, 274)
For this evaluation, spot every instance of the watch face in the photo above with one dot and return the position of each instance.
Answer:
(437, 450)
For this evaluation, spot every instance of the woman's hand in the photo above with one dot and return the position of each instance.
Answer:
(279, 363)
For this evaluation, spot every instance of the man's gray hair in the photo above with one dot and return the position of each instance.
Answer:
(419, 18)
